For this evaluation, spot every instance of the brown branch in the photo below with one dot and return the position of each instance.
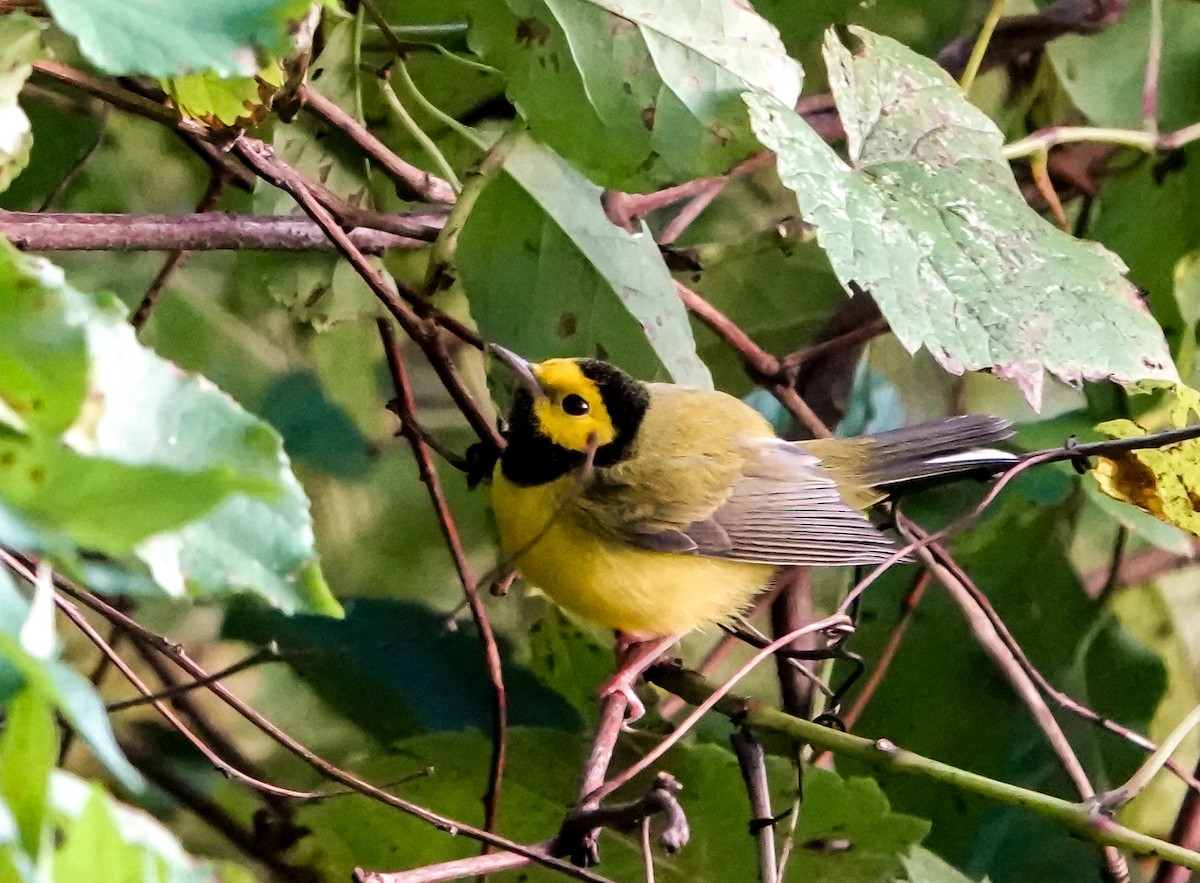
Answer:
(268, 654)
(405, 407)
(202, 231)
(582, 821)
(455, 870)
(423, 330)
(1137, 568)
(217, 762)
(762, 367)
(982, 620)
(1185, 832)
(411, 182)
(791, 609)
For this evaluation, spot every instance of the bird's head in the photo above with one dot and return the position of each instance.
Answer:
(563, 407)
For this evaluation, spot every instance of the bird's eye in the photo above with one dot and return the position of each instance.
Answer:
(575, 405)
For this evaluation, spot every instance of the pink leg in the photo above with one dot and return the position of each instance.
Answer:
(635, 655)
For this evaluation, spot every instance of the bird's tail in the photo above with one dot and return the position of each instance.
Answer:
(952, 446)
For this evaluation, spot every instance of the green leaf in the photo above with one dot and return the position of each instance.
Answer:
(540, 781)
(28, 748)
(315, 430)
(1146, 216)
(166, 38)
(636, 94)
(548, 274)
(153, 459)
(43, 352)
(29, 647)
(928, 219)
(1105, 72)
(340, 660)
(20, 44)
(568, 659)
(84, 805)
(16, 866)
(225, 101)
(105, 504)
(923, 866)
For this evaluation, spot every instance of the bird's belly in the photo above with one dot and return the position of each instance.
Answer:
(612, 583)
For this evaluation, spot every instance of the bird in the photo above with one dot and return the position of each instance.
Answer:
(655, 509)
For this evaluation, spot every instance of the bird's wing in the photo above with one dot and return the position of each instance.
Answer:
(785, 509)
(717, 483)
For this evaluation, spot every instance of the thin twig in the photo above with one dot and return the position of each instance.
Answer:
(424, 331)
(762, 366)
(457, 869)
(1153, 63)
(411, 181)
(981, 44)
(405, 406)
(152, 765)
(176, 259)
(179, 657)
(990, 639)
(267, 654)
(1185, 832)
(204, 231)
(217, 762)
(838, 625)
(889, 759)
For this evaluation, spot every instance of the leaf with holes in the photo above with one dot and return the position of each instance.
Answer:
(928, 219)
(637, 94)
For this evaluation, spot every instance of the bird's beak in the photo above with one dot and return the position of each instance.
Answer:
(520, 368)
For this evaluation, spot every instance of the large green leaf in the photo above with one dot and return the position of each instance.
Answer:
(165, 38)
(28, 648)
(20, 44)
(636, 94)
(152, 459)
(28, 748)
(1105, 73)
(548, 274)
(421, 658)
(847, 832)
(110, 841)
(928, 219)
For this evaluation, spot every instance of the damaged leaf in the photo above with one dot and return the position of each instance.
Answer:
(928, 219)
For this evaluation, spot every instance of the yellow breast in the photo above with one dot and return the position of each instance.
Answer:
(609, 582)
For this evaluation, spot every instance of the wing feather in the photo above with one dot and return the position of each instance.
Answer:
(772, 503)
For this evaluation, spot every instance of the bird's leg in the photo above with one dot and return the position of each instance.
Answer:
(635, 655)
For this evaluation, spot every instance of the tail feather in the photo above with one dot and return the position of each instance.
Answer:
(943, 447)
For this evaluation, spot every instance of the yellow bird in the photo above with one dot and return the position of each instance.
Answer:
(655, 509)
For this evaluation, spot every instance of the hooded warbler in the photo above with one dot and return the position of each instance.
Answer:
(690, 501)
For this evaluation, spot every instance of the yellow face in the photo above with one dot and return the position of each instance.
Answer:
(572, 413)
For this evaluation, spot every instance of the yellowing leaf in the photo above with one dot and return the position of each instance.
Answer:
(1162, 481)
(220, 102)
